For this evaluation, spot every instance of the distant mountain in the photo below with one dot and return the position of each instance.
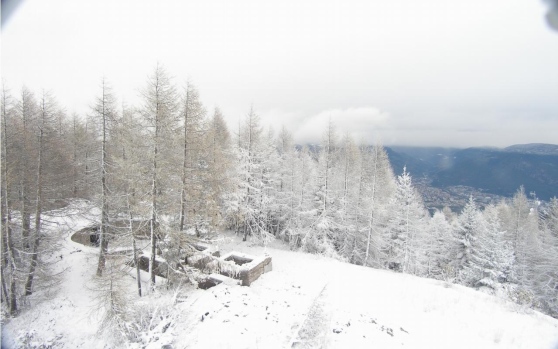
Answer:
(416, 165)
(421, 161)
(534, 148)
(489, 170)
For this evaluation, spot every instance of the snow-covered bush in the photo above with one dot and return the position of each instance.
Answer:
(30, 340)
(152, 321)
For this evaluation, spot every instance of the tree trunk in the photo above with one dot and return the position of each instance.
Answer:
(104, 189)
(136, 262)
(38, 211)
(184, 167)
(25, 204)
(74, 159)
(154, 203)
(7, 244)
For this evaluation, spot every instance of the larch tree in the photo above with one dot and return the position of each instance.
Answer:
(220, 168)
(9, 291)
(521, 224)
(28, 110)
(193, 115)
(47, 112)
(159, 113)
(349, 169)
(285, 199)
(129, 180)
(319, 236)
(104, 112)
(250, 184)
(377, 187)
(305, 211)
(327, 160)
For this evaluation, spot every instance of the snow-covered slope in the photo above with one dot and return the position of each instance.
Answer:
(347, 306)
(307, 301)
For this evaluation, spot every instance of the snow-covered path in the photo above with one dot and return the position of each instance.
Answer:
(65, 318)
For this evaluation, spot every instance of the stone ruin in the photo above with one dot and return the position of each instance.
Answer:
(233, 267)
(243, 267)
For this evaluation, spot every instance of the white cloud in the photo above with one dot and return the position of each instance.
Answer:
(363, 124)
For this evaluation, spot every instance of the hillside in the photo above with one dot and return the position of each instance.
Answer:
(534, 148)
(447, 176)
(502, 173)
(307, 301)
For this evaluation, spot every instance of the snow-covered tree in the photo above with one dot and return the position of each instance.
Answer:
(438, 242)
(401, 247)
(286, 181)
(104, 112)
(159, 114)
(498, 265)
(47, 112)
(377, 187)
(470, 254)
(9, 268)
(350, 191)
(319, 237)
(220, 168)
(256, 156)
(28, 113)
(305, 211)
(551, 218)
(193, 164)
(521, 223)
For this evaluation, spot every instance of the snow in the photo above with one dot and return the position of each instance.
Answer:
(306, 301)
(362, 304)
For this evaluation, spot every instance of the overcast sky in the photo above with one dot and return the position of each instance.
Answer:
(403, 72)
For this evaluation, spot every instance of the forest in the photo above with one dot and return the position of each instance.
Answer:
(177, 167)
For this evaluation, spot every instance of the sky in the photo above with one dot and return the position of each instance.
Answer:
(399, 72)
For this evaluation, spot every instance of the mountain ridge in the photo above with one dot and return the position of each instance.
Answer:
(498, 171)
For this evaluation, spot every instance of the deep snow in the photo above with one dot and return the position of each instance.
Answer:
(307, 301)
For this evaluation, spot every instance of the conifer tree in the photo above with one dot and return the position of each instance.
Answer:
(438, 244)
(469, 254)
(402, 234)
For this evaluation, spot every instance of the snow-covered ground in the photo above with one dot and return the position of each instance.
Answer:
(307, 301)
